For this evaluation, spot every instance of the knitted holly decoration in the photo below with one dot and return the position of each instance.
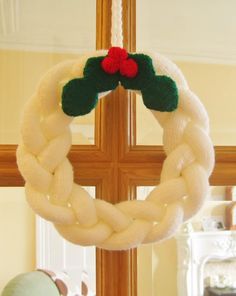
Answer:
(132, 71)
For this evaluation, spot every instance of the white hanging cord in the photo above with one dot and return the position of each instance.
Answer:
(116, 24)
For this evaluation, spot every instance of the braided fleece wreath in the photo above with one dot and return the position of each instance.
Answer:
(72, 88)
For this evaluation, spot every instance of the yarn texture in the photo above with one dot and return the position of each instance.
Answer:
(46, 141)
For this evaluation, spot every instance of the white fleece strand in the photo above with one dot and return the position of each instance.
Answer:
(116, 24)
(52, 193)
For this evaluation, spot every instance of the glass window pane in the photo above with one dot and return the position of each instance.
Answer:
(17, 230)
(33, 38)
(79, 263)
(26, 244)
(158, 263)
(217, 92)
(199, 45)
(83, 129)
(148, 130)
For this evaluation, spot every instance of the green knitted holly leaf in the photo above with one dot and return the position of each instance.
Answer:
(98, 78)
(161, 94)
(79, 97)
(145, 74)
(134, 72)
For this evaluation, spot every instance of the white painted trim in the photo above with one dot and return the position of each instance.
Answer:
(42, 243)
(194, 250)
(202, 56)
(44, 48)
(9, 15)
(2, 17)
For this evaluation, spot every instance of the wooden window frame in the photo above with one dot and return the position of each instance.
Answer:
(115, 165)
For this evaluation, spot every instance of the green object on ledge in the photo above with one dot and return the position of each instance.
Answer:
(35, 283)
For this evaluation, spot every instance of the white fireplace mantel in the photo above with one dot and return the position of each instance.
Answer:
(194, 250)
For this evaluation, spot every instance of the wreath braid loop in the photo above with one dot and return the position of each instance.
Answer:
(50, 187)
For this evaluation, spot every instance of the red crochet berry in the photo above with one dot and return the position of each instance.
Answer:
(129, 68)
(110, 65)
(117, 53)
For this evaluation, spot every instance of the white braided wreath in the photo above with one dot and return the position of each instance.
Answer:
(52, 193)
